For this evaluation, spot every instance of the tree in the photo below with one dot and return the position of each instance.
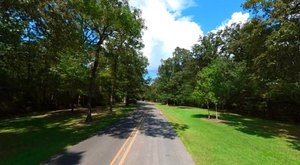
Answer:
(165, 88)
(206, 50)
(203, 90)
(175, 83)
(72, 75)
(219, 82)
(50, 47)
(132, 71)
(102, 22)
(31, 42)
(275, 56)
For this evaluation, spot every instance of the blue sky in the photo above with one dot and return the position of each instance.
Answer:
(210, 14)
(172, 23)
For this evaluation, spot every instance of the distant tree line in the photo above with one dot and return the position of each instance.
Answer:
(59, 53)
(252, 69)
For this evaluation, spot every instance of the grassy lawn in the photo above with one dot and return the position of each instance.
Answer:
(236, 140)
(35, 138)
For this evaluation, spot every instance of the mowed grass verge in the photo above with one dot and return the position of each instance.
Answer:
(235, 140)
(35, 138)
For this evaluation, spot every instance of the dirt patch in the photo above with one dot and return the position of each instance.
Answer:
(213, 120)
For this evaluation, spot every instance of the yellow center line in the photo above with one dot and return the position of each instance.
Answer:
(121, 149)
(129, 147)
(132, 134)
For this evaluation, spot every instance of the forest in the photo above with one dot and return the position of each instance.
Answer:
(251, 69)
(63, 54)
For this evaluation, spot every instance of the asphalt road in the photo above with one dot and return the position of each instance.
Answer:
(143, 138)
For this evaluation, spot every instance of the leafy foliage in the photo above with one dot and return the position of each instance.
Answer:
(251, 68)
(57, 53)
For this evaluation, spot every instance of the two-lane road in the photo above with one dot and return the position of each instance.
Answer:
(145, 138)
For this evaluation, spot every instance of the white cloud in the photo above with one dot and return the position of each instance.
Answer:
(166, 28)
(236, 17)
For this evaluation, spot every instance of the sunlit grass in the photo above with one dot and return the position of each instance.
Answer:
(235, 140)
(34, 138)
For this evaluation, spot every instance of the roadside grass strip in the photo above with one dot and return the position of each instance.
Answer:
(236, 139)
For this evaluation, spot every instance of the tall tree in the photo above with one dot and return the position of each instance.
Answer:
(103, 21)
(49, 47)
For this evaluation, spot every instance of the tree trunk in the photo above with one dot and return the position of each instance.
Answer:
(92, 85)
(89, 115)
(78, 101)
(124, 100)
(127, 100)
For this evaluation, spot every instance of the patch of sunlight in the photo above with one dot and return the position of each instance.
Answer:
(52, 125)
(13, 120)
(74, 123)
(247, 119)
(284, 133)
(100, 115)
(14, 130)
(38, 116)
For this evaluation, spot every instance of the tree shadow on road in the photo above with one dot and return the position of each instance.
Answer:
(153, 125)
(68, 158)
(122, 128)
(156, 126)
(126, 125)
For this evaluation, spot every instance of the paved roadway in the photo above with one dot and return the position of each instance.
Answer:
(143, 138)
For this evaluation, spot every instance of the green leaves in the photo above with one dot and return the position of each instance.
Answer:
(251, 68)
(175, 84)
(214, 82)
(54, 49)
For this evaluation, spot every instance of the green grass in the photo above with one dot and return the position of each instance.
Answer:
(237, 140)
(35, 138)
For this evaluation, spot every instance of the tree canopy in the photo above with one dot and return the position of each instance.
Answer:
(251, 68)
(57, 53)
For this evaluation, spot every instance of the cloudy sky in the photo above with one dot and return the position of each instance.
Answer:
(172, 23)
